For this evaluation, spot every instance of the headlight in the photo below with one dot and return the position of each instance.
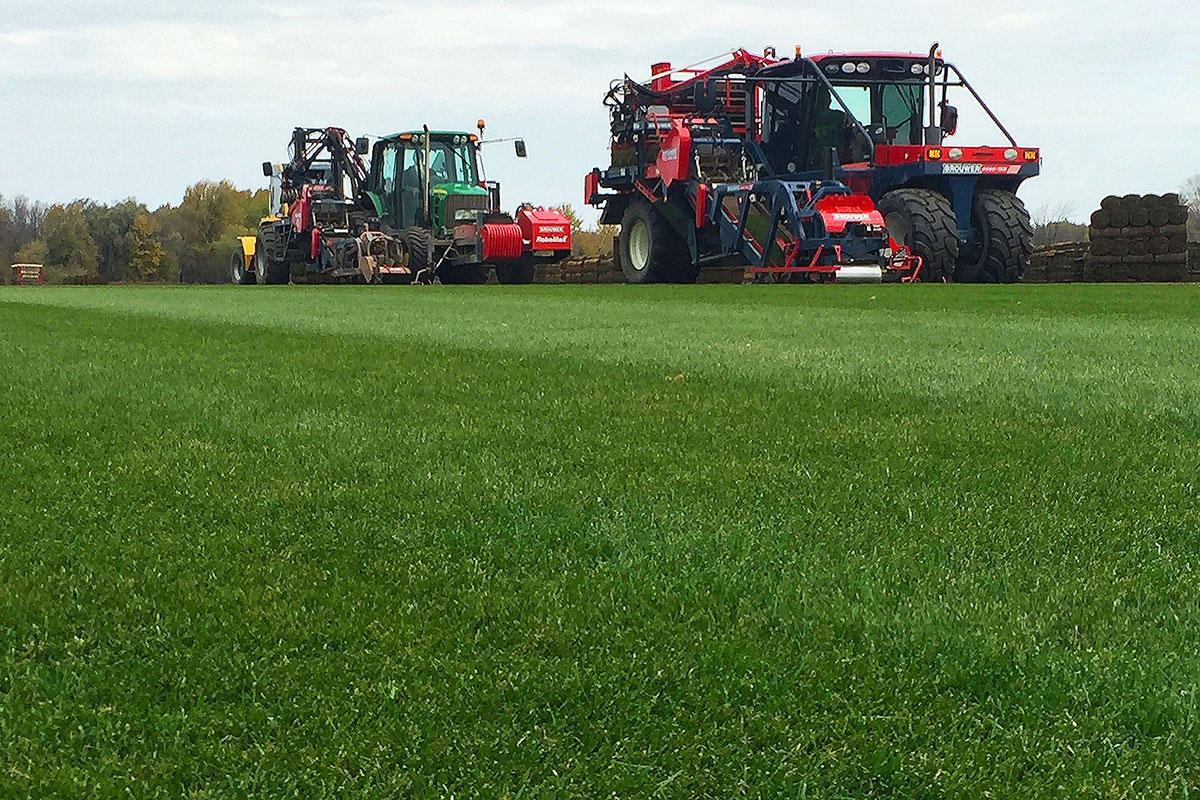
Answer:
(1011, 155)
(956, 154)
(848, 68)
(832, 68)
(464, 215)
(917, 69)
(864, 68)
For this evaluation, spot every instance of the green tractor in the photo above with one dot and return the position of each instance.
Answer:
(421, 211)
(429, 187)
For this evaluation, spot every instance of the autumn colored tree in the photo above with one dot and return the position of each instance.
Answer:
(146, 252)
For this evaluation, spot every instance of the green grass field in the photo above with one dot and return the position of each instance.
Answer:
(600, 542)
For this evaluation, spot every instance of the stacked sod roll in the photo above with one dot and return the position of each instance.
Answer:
(580, 270)
(1139, 238)
(1058, 263)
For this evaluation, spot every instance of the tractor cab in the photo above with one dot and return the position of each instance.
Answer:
(428, 179)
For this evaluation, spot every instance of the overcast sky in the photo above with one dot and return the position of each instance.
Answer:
(108, 99)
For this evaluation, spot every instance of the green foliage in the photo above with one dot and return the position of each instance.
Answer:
(32, 253)
(111, 228)
(595, 542)
(8, 244)
(71, 252)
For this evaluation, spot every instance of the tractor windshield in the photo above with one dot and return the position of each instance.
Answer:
(452, 163)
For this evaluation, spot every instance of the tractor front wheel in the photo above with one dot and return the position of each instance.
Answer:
(1001, 243)
(922, 221)
(241, 275)
(267, 270)
(651, 250)
(420, 250)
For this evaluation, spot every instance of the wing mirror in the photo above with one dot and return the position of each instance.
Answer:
(362, 146)
(949, 119)
(522, 152)
(267, 169)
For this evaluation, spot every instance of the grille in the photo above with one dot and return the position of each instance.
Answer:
(459, 202)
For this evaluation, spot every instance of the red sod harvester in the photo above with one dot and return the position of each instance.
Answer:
(818, 169)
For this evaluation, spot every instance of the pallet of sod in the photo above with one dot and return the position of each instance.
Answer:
(1139, 238)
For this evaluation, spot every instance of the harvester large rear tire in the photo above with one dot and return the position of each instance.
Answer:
(651, 250)
(922, 221)
(1001, 240)
(267, 270)
(237, 263)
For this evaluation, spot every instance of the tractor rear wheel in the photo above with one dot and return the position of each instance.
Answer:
(267, 270)
(241, 275)
(922, 221)
(516, 272)
(651, 250)
(1001, 243)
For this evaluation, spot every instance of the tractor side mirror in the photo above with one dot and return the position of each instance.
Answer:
(949, 119)
(267, 170)
(522, 152)
(362, 146)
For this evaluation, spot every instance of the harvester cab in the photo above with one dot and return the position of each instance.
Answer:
(430, 187)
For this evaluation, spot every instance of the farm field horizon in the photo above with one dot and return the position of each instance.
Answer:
(602, 541)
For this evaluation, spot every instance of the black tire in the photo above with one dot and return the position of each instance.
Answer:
(267, 270)
(241, 275)
(420, 249)
(468, 275)
(516, 273)
(922, 221)
(1001, 244)
(651, 250)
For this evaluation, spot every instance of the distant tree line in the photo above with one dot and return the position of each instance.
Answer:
(89, 242)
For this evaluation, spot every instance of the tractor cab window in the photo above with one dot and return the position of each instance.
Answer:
(388, 175)
(452, 163)
(411, 203)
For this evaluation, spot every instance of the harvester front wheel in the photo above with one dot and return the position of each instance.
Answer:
(922, 221)
(1001, 243)
(241, 275)
(651, 250)
(267, 270)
